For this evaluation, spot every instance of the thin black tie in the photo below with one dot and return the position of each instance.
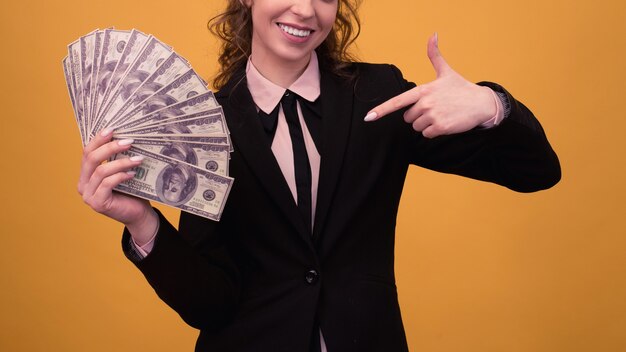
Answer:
(311, 112)
(301, 164)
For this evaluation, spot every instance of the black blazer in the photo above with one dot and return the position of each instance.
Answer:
(258, 280)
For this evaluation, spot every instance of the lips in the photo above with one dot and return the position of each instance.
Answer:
(296, 32)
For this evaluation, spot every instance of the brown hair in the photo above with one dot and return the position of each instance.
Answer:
(234, 28)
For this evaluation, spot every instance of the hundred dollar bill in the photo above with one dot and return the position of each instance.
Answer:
(76, 82)
(183, 87)
(212, 125)
(86, 43)
(87, 46)
(211, 157)
(113, 44)
(206, 121)
(171, 68)
(153, 54)
(68, 80)
(207, 124)
(148, 139)
(195, 104)
(136, 42)
(177, 184)
(97, 50)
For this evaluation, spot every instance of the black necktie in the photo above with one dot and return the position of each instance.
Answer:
(311, 114)
(311, 111)
(301, 164)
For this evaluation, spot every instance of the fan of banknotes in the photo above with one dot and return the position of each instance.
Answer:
(138, 86)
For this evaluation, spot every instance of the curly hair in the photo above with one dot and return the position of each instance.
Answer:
(234, 28)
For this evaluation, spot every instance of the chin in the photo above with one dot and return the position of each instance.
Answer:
(290, 56)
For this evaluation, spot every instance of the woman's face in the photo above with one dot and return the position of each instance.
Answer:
(285, 32)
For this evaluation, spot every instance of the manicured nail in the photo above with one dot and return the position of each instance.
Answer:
(124, 142)
(131, 173)
(137, 158)
(371, 116)
(106, 131)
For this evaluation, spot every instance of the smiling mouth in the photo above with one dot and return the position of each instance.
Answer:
(302, 33)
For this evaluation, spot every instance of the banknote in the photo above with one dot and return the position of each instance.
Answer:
(139, 86)
(132, 48)
(177, 184)
(208, 120)
(150, 139)
(86, 49)
(211, 157)
(157, 114)
(113, 44)
(70, 90)
(209, 124)
(77, 87)
(153, 54)
(166, 72)
(185, 86)
(97, 49)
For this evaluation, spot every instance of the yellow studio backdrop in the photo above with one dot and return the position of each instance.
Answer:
(479, 268)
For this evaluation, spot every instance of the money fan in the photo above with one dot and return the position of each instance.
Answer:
(138, 86)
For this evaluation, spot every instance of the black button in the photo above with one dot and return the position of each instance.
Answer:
(311, 277)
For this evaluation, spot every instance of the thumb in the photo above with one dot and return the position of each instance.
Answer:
(439, 63)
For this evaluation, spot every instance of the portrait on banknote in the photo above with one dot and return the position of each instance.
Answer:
(176, 184)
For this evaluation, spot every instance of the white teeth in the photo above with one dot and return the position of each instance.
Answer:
(294, 31)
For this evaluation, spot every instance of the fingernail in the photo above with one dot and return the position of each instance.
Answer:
(131, 173)
(370, 116)
(106, 131)
(436, 39)
(137, 158)
(124, 142)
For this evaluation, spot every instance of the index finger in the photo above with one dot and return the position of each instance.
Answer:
(94, 154)
(396, 103)
(99, 139)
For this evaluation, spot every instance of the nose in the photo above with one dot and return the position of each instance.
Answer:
(170, 185)
(303, 8)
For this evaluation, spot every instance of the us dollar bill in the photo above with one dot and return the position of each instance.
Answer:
(186, 86)
(195, 104)
(210, 157)
(140, 87)
(133, 47)
(153, 54)
(77, 86)
(136, 42)
(113, 44)
(201, 123)
(70, 90)
(97, 50)
(87, 45)
(204, 139)
(177, 184)
(171, 68)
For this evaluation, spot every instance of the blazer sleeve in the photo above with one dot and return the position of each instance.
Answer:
(515, 154)
(191, 271)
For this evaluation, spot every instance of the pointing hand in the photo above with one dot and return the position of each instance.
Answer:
(450, 104)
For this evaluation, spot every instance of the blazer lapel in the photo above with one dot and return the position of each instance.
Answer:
(249, 140)
(337, 97)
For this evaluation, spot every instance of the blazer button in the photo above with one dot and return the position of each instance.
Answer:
(311, 277)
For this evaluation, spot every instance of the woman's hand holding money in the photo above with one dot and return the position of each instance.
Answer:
(98, 178)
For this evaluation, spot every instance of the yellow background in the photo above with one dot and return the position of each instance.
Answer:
(479, 268)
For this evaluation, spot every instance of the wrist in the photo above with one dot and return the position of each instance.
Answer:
(144, 229)
(491, 108)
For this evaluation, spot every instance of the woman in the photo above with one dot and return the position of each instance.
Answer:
(302, 259)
